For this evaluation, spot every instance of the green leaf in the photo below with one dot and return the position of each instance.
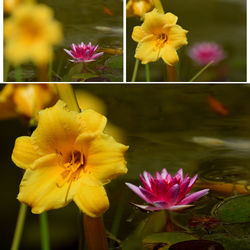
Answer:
(234, 210)
(115, 62)
(152, 224)
(166, 238)
(229, 242)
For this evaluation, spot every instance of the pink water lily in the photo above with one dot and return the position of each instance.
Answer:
(165, 192)
(205, 52)
(83, 53)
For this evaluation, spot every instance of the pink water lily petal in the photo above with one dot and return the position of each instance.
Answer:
(138, 192)
(150, 196)
(172, 194)
(148, 208)
(194, 196)
(179, 207)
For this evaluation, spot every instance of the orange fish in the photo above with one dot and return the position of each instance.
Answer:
(217, 106)
(107, 11)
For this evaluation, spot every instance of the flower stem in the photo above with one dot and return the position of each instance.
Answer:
(135, 70)
(18, 74)
(6, 70)
(172, 73)
(43, 73)
(201, 71)
(66, 93)
(147, 72)
(19, 227)
(95, 234)
(44, 231)
(158, 5)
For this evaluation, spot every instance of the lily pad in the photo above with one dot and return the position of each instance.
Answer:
(196, 245)
(229, 242)
(166, 238)
(234, 210)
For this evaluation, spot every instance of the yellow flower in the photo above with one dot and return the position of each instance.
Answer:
(68, 157)
(159, 37)
(25, 99)
(138, 7)
(9, 5)
(30, 33)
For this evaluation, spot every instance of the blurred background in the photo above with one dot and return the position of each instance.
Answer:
(159, 124)
(220, 21)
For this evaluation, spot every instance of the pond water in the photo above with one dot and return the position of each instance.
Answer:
(165, 126)
(221, 21)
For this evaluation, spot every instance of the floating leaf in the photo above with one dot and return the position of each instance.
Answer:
(229, 242)
(234, 210)
(166, 239)
(196, 245)
(115, 62)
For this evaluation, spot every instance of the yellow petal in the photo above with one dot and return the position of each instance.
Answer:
(104, 157)
(154, 22)
(171, 18)
(169, 55)
(177, 36)
(92, 200)
(92, 121)
(146, 50)
(138, 33)
(24, 152)
(57, 129)
(39, 189)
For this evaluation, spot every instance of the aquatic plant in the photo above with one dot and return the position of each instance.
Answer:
(159, 37)
(83, 53)
(205, 52)
(165, 192)
(68, 157)
(30, 34)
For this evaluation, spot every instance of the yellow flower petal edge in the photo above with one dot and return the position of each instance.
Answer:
(159, 37)
(68, 157)
(138, 7)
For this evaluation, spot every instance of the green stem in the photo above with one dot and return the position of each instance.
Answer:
(18, 74)
(44, 231)
(147, 72)
(6, 70)
(135, 70)
(50, 69)
(158, 5)
(201, 71)
(66, 93)
(19, 227)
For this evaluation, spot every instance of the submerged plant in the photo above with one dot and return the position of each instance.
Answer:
(30, 32)
(204, 53)
(159, 37)
(165, 192)
(138, 7)
(83, 53)
(68, 157)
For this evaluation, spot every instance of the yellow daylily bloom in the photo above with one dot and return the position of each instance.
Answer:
(30, 32)
(9, 5)
(159, 37)
(68, 157)
(25, 99)
(138, 7)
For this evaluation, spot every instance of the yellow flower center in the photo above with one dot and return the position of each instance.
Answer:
(30, 29)
(72, 168)
(161, 39)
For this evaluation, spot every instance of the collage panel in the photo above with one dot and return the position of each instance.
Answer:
(63, 41)
(180, 41)
(129, 167)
